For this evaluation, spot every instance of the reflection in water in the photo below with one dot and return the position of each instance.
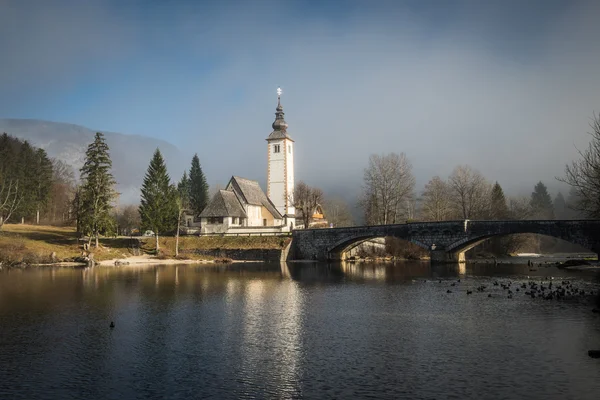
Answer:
(294, 330)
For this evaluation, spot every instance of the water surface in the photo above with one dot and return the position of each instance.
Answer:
(296, 331)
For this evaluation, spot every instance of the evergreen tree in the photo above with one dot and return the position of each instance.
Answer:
(97, 190)
(183, 204)
(183, 189)
(541, 203)
(560, 207)
(25, 178)
(498, 206)
(158, 207)
(42, 182)
(198, 187)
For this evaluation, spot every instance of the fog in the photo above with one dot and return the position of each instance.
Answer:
(504, 87)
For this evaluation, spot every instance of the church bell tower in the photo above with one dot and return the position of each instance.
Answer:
(280, 165)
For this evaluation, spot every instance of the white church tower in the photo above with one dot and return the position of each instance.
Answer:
(280, 166)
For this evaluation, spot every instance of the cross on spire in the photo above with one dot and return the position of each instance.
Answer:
(279, 91)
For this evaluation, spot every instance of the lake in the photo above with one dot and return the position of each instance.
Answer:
(295, 331)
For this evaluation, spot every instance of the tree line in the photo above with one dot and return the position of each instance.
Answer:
(389, 196)
(30, 182)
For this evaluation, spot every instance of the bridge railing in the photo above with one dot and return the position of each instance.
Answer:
(245, 234)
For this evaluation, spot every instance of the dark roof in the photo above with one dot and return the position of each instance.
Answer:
(251, 193)
(224, 204)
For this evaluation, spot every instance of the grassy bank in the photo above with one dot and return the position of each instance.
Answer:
(35, 244)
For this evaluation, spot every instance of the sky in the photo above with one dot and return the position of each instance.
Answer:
(507, 87)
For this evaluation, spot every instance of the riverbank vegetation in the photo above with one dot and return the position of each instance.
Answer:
(40, 244)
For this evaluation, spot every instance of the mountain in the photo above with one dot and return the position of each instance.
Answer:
(130, 154)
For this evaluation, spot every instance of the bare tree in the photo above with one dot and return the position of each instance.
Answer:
(388, 188)
(470, 192)
(436, 204)
(10, 199)
(62, 192)
(337, 212)
(519, 208)
(128, 219)
(306, 199)
(584, 174)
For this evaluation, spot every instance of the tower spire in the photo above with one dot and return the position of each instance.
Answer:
(279, 91)
(279, 124)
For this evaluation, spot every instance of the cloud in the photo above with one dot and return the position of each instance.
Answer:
(508, 89)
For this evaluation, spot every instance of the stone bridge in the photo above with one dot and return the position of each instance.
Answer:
(447, 241)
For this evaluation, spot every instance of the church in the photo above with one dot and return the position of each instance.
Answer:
(242, 207)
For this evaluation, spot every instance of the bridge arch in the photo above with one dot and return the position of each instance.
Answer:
(534, 227)
(338, 249)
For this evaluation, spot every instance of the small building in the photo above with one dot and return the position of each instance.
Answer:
(242, 207)
(317, 219)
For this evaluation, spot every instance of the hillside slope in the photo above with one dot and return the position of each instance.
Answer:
(130, 153)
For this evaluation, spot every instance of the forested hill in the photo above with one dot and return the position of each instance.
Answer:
(130, 154)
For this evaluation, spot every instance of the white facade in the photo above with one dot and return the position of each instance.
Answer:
(280, 175)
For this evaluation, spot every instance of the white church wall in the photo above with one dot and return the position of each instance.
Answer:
(254, 215)
(289, 184)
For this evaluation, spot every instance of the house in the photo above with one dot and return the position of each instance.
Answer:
(317, 219)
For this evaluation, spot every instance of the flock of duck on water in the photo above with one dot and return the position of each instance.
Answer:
(546, 289)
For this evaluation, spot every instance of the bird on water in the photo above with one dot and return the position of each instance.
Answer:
(112, 324)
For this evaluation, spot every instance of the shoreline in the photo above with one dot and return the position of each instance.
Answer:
(122, 262)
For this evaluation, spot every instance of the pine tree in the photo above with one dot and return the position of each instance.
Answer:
(183, 203)
(560, 207)
(183, 189)
(198, 187)
(97, 190)
(541, 203)
(498, 206)
(158, 208)
(42, 182)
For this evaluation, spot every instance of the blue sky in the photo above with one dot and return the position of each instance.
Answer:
(505, 86)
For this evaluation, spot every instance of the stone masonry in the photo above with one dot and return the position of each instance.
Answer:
(447, 241)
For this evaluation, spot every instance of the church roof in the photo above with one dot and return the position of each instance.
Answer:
(251, 193)
(224, 204)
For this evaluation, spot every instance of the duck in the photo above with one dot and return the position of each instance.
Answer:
(112, 324)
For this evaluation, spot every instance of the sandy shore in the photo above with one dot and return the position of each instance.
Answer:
(147, 259)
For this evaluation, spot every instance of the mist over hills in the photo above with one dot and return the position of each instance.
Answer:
(130, 154)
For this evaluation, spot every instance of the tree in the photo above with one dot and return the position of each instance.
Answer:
(388, 188)
(183, 203)
(498, 206)
(158, 207)
(305, 200)
(128, 219)
(560, 207)
(541, 203)
(97, 190)
(198, 187)
(25, 178)
(337, 212)
(435, 200)
(62, 192)
(584, 175)
(42, 182)
(469, 192)
(573, 208)
(519, 208)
